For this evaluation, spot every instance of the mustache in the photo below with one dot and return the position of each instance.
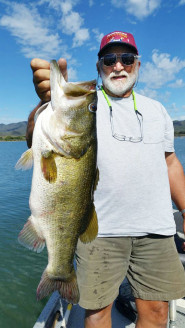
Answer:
(117, 74)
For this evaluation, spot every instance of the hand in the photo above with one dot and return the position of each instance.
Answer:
(41, 76)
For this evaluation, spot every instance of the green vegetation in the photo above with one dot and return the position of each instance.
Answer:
(180, 134)
(11, 138)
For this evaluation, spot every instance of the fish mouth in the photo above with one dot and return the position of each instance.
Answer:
(70, 89)
(82, 89)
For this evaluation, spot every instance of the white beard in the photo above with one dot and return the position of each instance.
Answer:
(119, 87)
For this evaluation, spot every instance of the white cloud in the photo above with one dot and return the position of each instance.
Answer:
(174, 111)
(91, 3)
(161, 70)
(179, 118)
(98, 35)
(71, 22)
(72, 74)
(173, 108)
(177, 84)
(65, 6)
(30, 30)
(80, 37)
(138, 8)
(148, 92)
(154, 93)
(182, 2)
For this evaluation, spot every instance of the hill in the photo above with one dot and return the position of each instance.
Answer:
(179, 127)
(13, 129)
(19, 129)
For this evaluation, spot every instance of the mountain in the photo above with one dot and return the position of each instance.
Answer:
(13, 129)
(179, 127)
(19, 129)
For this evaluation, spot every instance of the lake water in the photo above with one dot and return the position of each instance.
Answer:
(21, 269)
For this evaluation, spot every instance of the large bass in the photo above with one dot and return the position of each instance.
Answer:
(64, 152)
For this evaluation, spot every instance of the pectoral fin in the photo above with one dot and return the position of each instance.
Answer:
(26, 160)
(48, 166)
(30, 239)
(92, 229)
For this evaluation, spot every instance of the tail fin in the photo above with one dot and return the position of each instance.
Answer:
(67, 289)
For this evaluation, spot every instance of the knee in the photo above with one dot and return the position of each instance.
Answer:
(159, 313)
(154, 312)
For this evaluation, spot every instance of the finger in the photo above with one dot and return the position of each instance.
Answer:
(63, 67)
(41, 75)
(43, 90)
(37, 63)
(45, 96)
(43, 86)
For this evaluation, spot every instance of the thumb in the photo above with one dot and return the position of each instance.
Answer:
(63, 67)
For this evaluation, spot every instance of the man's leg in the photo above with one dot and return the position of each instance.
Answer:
(101, 267)
(153, 314)
(98, 318)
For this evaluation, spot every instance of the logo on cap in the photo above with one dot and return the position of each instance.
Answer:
(116, 36)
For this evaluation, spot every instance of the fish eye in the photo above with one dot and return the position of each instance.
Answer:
(92, 107)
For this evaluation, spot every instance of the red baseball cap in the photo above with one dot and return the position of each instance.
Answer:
(117, 37)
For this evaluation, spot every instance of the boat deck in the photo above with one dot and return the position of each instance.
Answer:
(56, 306)
(54, 315)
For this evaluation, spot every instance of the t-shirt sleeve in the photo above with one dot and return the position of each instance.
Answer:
(168, 143)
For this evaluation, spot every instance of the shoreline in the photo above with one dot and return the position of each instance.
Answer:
(12, 138)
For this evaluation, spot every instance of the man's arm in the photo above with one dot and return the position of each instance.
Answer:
(41, 80)
(30, 125)
(177, 181)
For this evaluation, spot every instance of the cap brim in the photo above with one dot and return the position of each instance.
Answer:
(116, 43)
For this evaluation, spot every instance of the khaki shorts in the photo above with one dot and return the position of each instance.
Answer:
(151, 264)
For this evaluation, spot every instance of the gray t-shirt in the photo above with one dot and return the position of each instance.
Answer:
(133, 194)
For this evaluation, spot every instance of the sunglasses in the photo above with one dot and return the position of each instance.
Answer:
(126, 59)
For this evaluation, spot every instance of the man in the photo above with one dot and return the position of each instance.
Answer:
(138, 168)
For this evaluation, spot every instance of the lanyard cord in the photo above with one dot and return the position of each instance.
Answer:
(111, 116)
(109, 104)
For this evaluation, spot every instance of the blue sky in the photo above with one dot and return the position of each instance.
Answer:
(73, 29)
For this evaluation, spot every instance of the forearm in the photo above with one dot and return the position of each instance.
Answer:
(177, 182)
(31, 124)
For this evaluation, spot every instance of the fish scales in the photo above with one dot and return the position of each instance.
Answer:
(64, 152)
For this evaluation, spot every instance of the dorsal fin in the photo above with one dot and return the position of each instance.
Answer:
(57, 82)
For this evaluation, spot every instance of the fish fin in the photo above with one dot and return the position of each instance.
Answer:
(92, 229)
(67, 289)
(39, 111)
(48, 166)
(29, 238)
(26, 160)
